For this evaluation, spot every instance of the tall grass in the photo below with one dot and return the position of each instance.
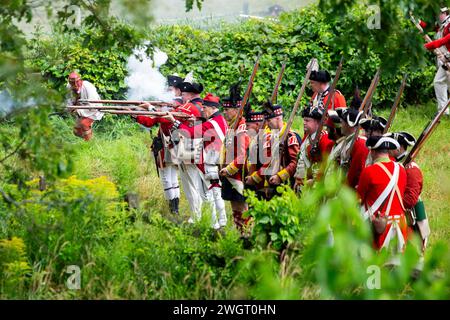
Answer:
(141, 254)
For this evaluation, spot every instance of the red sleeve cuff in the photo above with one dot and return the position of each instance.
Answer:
(423, 24)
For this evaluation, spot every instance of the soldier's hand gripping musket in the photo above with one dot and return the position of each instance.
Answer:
(440, 54)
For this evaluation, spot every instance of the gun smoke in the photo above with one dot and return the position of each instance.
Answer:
(145, 81)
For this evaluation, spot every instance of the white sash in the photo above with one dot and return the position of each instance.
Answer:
(218, 129)
(383, 196)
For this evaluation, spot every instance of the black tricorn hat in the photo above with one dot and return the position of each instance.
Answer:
(350, 116)
(191, 87)
(334, 120)
(312, 112)
(405, 139)
(375, 123)
(382, 143)
(174, 81)
(320, 76)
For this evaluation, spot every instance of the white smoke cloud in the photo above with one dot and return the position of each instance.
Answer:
(6, 102)
(144, 81)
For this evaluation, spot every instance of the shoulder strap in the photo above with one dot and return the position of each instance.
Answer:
(397, 190)
(197, 106)
(383, 196)
(218, 129)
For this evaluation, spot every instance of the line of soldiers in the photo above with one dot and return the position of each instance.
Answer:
(218, 156)
(218, 163)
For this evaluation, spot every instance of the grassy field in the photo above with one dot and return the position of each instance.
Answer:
(142, 254)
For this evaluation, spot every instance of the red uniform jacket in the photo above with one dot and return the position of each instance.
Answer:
(357, 162)
(325, 145)
(414, 184)
(339, 100)
(444, 41)
(207, 131)
(373, 181)
(289, 158)
(234, 151)
(193, 108)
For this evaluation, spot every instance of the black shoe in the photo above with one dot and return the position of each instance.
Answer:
(176, 205)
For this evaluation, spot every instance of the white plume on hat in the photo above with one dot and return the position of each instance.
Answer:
(315, 64)
(190, 77)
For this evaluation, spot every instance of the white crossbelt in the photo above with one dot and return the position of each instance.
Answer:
(383, 196)
(218, 129)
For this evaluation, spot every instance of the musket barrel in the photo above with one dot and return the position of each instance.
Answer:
(125, 102)
(426, 133)
(297, 102)
(246, 97)
(396, 104)
(149, 113)
(118, 107)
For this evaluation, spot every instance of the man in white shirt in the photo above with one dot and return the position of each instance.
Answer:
(83, 90)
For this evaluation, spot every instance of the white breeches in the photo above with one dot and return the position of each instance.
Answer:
(441, 86)
(169, 180)
(218, 213)
(193, 188)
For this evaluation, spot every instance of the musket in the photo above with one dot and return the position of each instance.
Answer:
(297, 102)
(315, 141)
(149, 113)
(365, 106)
(115, 107)
(273, 97)
(426, 133)
(396, 104)
(284, 136)
(273, 100)
(246, 97)
(125, 102)
(438, 52)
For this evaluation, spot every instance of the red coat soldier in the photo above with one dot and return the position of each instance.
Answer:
(354, 162)
(320, 84)
(417, 218)
(441, 79)
(233, 159)
(308, 159)
(255, 131)
(187, 152)
(372, 126)
(381, 189)
(280, 161)
(212, 131)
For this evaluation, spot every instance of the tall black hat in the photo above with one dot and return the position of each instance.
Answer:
(320, 76)
(174, 81)
(234, 99)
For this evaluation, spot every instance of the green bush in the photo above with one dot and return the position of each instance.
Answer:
(220, 56)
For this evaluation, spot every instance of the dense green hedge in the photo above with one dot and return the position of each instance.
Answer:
(221, 55)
